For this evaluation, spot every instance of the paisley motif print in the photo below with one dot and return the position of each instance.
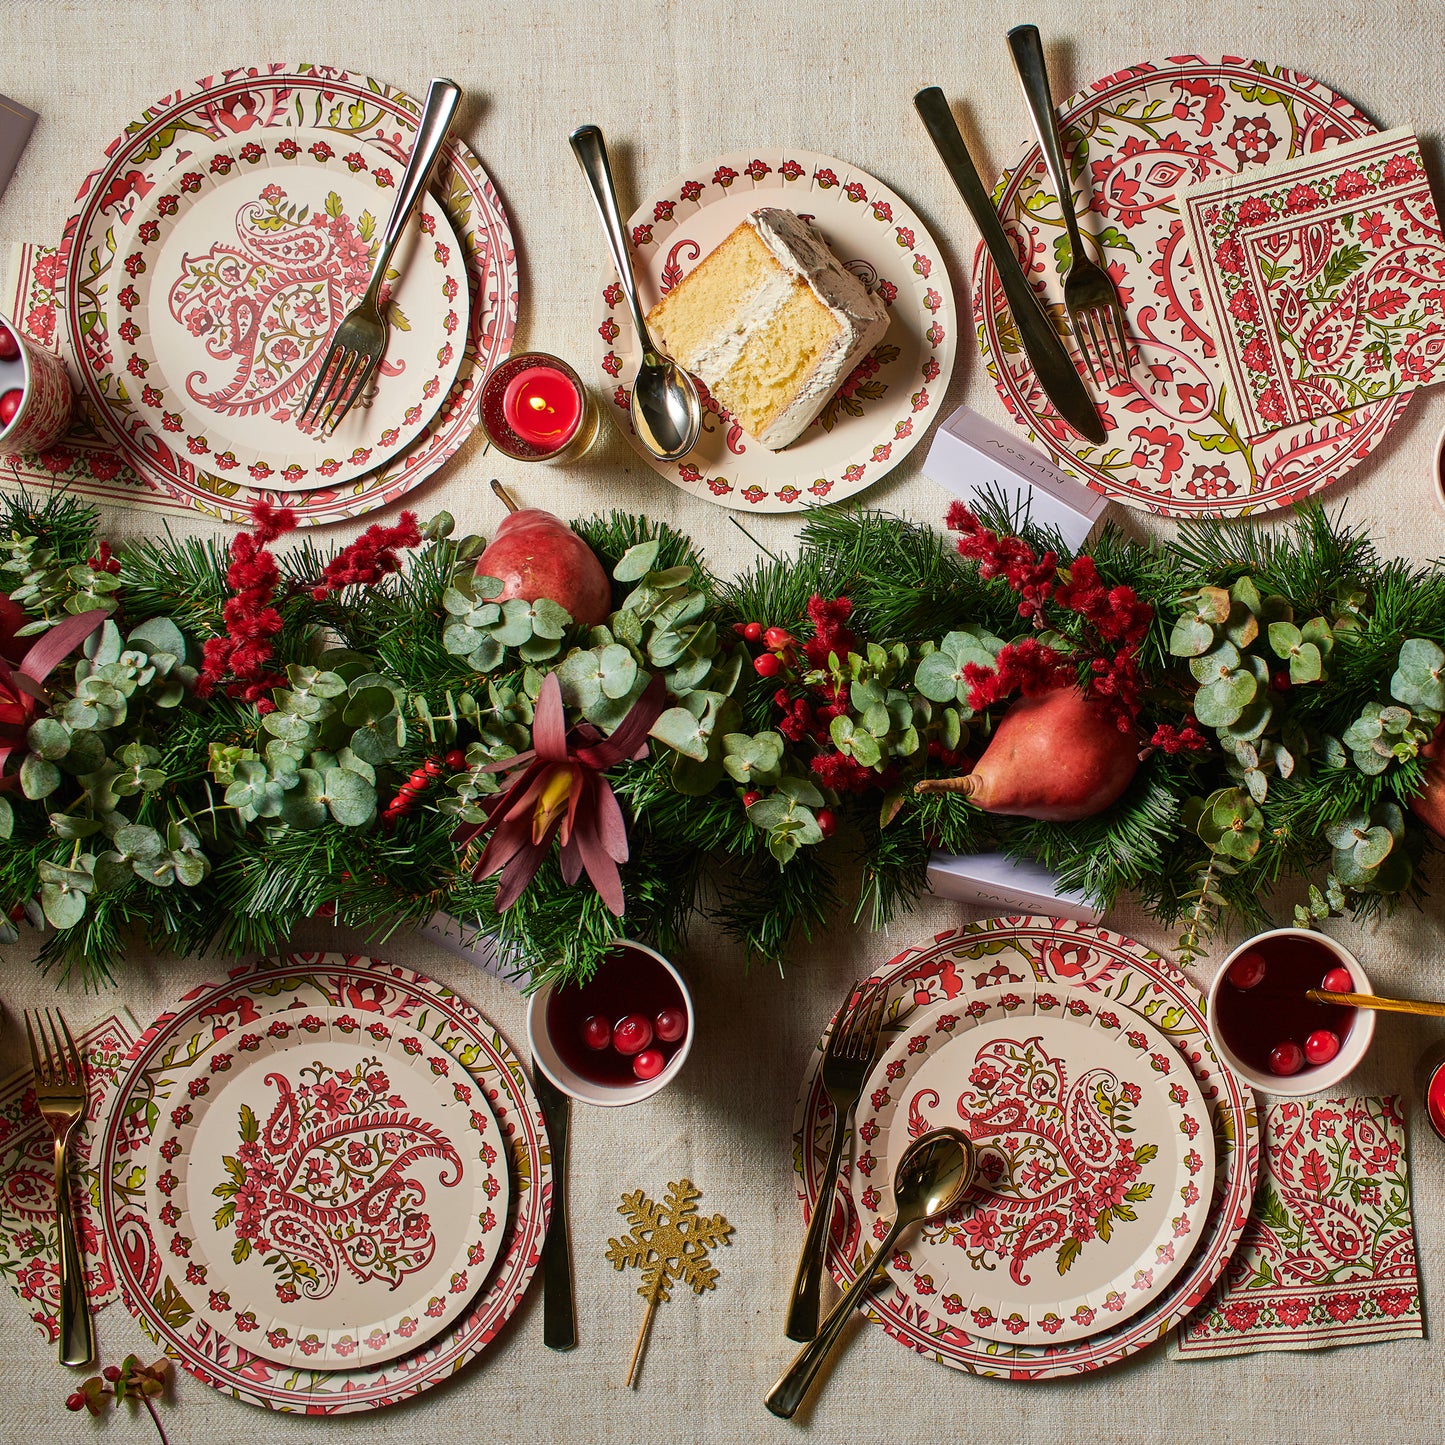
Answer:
(328, 1186)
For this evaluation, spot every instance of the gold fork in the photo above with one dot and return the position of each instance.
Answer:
(61, 1093)
(360, 340)
(1089, 294)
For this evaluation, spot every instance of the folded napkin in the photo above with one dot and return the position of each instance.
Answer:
(1325, 277)
(1328, 1255)
(28, 1244)
(84, 462)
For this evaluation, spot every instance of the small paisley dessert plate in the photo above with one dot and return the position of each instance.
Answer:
(1095, 1155)
(338, 1182)
(244, 260)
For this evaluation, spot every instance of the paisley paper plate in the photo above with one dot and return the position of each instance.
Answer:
(1175, 442)
(212, 1019)
(245, 259)
(1121, 974)
(881, 411)
(1092, 1142)
(248, 104)
(339, 1182)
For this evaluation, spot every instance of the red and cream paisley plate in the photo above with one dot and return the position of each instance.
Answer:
(255, 106)
(1116, 973)
(1175, 443)
(339, 1181)
(1092, 1142)
(246, 257)
(881, 411)
(157, 1283)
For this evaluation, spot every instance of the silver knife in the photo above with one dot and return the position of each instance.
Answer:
(559, 1312)
(1052, 363)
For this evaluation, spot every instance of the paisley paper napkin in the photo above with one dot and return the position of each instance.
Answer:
(1325, 276)
(27, 1188)
(1328, 1255)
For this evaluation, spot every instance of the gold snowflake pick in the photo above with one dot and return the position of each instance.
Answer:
(668, 1242)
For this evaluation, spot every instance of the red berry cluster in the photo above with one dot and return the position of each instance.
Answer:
(370, 557)
(103, 561)
(1172, 740)
(421, 779)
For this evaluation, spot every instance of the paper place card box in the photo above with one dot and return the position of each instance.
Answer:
(995, 881)
(468, 941)
(972, 458)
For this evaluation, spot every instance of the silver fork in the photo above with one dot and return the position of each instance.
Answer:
(61, 1094)
(360, 340)
(1089, 295)
(847, 1062)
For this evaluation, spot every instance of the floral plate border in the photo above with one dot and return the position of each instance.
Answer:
(212, 1012)
(882, 409)
(305, 96)
(1174, 446)
(184, 1230)
(1071, 1312)
(130, 311)
(1020, 949)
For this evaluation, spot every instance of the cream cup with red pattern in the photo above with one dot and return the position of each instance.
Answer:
(35, 395)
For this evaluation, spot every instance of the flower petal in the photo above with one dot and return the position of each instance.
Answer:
(549, 722)
(629, 738)
(610, 825)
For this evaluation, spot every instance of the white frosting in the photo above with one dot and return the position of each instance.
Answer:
(862, 318)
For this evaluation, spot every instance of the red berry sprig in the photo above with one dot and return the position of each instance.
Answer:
(130, 1380)
(421, 779)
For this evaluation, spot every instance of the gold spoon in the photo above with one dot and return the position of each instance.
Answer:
(1381, 1005)
(932, 1176)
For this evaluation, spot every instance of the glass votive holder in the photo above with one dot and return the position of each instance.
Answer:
(534, 408)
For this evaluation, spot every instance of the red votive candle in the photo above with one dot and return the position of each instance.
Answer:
(536, 409)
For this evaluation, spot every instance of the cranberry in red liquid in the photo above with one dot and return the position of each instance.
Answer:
(629, 988)
(1273, 1011)
(670, 1025)
(596, 1032)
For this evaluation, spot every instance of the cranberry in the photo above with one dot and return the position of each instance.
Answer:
(765, 666)
(753, 631)
(9, 405)
(1286, 1058)
(632, 1034)
(9, 346)
(419, 778)
(432, 767)
(670, 1024)
(75, 1401)
(596, 1032)
(775, 639)
(1322, 1046)
(826, 822)
(456, 760)
(1338, 980)
(649, 1064)
(1247, 970)
(751, 797)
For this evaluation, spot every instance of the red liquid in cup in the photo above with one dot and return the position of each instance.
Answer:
(1253, 1021)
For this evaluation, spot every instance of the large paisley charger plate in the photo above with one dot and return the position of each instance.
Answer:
(213, 1017)
(879, 413)
(1092, 1140)
(363, 115)
(248, 255)
(1016, 951)
(1175, 443)
(339, 1180)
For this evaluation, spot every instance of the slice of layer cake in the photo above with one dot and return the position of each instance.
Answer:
(770, 323)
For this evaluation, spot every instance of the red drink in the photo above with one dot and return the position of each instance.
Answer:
(1260, 1010)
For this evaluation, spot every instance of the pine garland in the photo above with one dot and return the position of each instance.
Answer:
(211, 823)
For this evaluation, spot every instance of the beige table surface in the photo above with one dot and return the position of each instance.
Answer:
(672, 83)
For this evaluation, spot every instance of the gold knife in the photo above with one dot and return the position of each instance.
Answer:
(559, 1312)
(1052, 363)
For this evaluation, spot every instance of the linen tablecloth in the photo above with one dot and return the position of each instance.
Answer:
(673, 83)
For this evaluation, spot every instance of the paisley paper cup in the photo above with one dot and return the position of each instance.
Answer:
(45, 396)
(1312, 1078)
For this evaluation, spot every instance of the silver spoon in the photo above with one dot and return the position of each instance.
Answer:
(932, 1176)
(666, 409)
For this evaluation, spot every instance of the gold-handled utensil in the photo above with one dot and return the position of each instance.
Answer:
(61, 1094)
(932, 1176)
(1375, 1001)
(847, 1062)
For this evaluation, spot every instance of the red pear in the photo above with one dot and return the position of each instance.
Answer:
(1058, 756)
(1428, 805)
(535, 554)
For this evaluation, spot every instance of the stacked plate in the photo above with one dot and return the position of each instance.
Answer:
(325, 1182)
(1117, 1153)
(215, 254)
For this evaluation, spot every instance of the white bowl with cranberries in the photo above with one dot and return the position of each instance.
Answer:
(618, 1038)
(1269, 1032)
